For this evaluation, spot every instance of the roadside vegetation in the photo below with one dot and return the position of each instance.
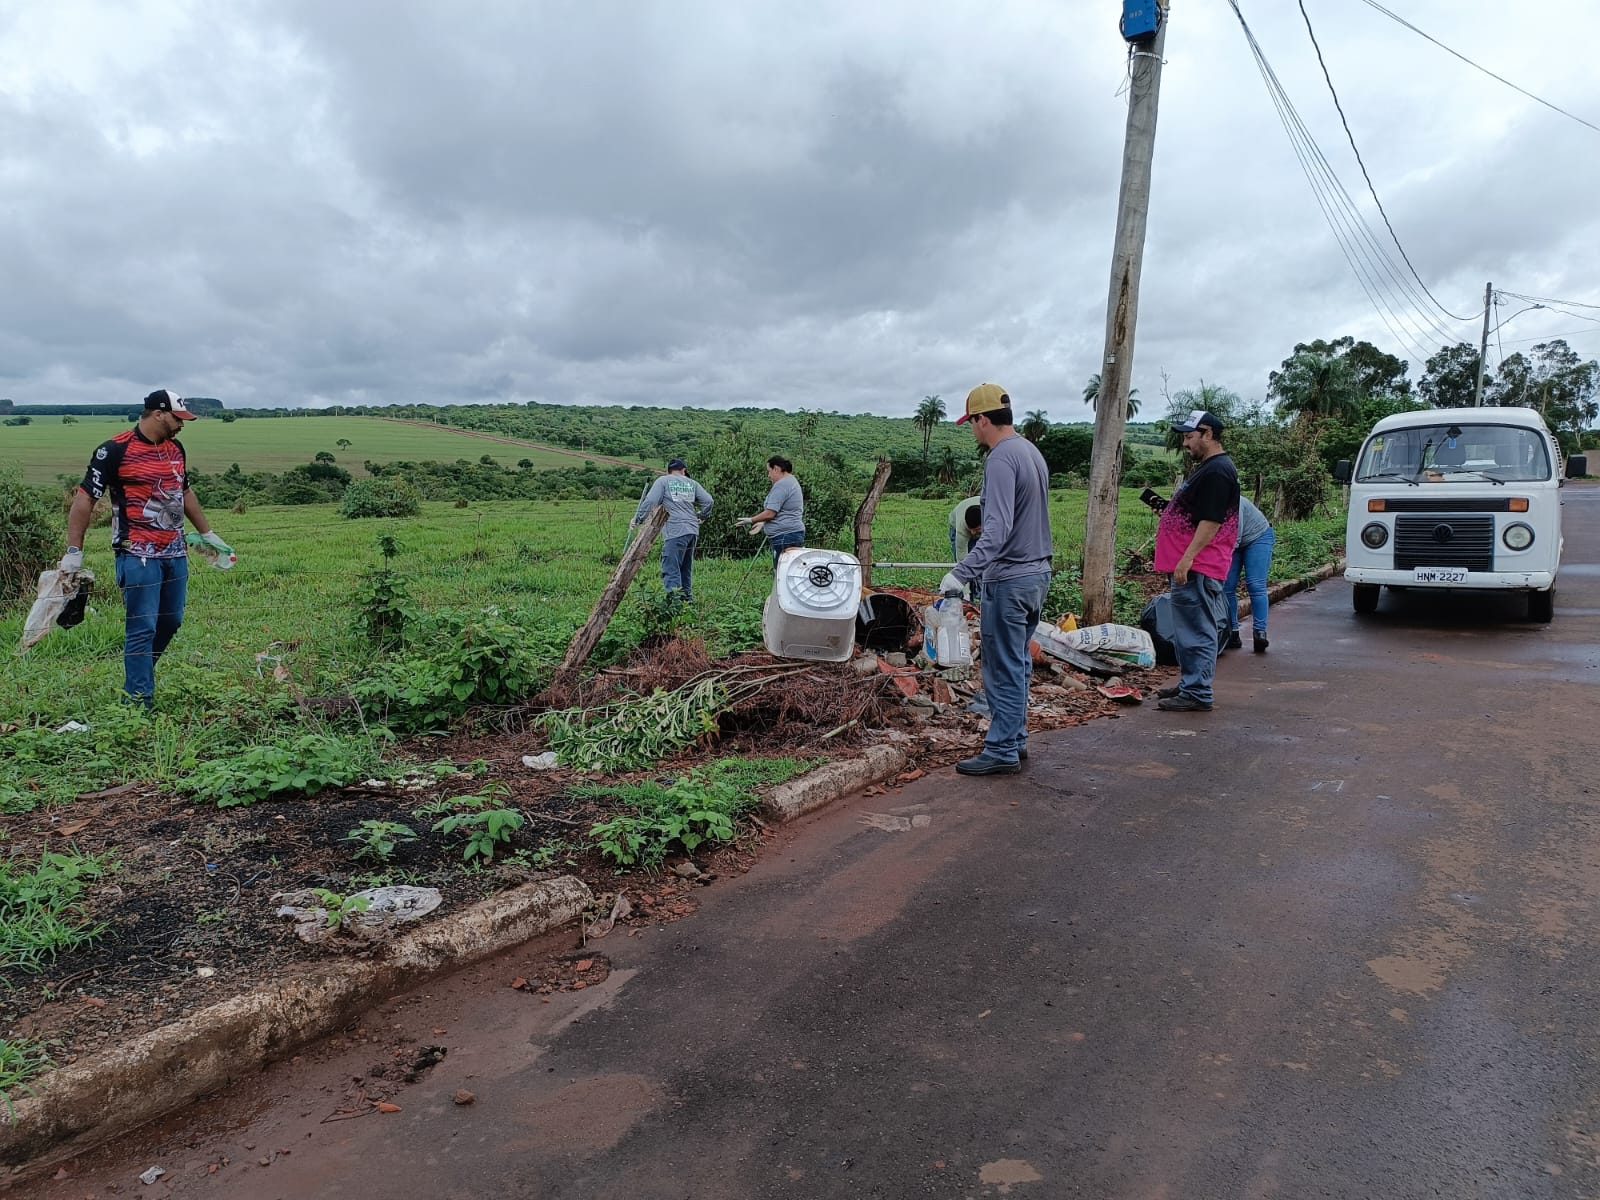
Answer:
(347, 708)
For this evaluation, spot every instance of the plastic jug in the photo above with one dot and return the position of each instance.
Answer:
(946, 640)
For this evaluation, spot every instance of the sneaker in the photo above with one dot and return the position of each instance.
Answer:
(1261, 643)
(1182, 703)
(1167, 693)
(1234, 643)
(986, 764)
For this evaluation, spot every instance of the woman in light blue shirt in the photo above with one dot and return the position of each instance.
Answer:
(783, 517)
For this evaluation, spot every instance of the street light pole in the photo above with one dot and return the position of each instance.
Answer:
(1483, 343)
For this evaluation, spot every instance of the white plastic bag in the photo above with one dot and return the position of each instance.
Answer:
(56, 590)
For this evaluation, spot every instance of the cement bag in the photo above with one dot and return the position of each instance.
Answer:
(57, 597)
(1122, 643)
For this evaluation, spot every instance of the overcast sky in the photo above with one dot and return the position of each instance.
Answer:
(837, 205)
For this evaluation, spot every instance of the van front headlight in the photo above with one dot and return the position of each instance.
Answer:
(1373, 536)
(1518, 536)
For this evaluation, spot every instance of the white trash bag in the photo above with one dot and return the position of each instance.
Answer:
(57, 591)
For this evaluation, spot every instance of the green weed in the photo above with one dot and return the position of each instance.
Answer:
(40, 910)
(339, 908)
(483, 832)
(21, 1059)
(691, 811)
(376, 841)
(304, 767)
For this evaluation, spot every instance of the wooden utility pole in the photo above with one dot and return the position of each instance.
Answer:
(1122, 311)
(1483, 343)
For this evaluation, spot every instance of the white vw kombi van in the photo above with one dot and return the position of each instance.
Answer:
(1456, 498)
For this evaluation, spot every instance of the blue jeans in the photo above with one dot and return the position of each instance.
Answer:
(677, 564)
(782, 541)
(1255, 563)
(1198, 610)
(154, 591)
(1007, 622)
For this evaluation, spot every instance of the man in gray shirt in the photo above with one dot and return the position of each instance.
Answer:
(687, 504)
(1012, 561)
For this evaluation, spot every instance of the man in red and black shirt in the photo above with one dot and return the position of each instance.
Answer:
(146, 473)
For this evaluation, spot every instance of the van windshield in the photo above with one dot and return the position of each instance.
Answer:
(1451, 453)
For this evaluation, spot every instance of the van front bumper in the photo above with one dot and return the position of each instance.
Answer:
(1523, 581)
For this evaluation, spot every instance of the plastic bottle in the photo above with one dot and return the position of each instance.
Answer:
(946, 639)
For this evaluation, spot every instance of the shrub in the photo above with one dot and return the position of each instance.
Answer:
(381, 497)
(304, 767)
(733, 468)
(472, 661)
(30, 537)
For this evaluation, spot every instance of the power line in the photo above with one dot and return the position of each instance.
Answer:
(1386, 286)
(1364, 174)
(1549, 300)
(1556, 108)
(1560, 333)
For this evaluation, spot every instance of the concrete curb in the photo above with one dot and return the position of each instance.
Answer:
(80, 1106)
(827, 784)
(1282, 591)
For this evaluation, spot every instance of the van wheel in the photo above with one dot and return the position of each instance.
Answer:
(1542, 606)
(1365, 597)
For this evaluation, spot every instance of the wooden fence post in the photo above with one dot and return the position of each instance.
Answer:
(587, 638)
(864, 516)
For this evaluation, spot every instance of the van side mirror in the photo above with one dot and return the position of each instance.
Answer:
(1577, 466)
(1341, 471)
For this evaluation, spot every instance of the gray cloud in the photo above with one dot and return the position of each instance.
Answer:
(836, 206)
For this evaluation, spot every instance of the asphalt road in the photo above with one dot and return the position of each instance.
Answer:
(1336, 938)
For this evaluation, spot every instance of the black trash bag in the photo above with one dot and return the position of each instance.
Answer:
(72, 612)
(1156, 620)
(884, 622)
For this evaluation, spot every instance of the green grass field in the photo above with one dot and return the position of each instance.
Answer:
(47, 449)
(291, 601)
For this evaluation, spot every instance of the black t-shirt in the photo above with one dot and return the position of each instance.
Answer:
(1210, 494)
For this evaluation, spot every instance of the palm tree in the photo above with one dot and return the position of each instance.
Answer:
(1312, 386)
(929, 413)
(947, 467)
(1091, 393)
(1035, 425)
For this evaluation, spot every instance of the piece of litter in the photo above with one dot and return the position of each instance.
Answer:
(150, 1176)
(540, 762)
(72, 727)
(620, 909)
(205, 972)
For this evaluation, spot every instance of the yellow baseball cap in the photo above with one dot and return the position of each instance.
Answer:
(986, 397)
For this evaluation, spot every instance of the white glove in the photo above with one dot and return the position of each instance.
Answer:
(951, 584)
(742, 520)
(225, 557)
(757, 527)
(71, 562)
